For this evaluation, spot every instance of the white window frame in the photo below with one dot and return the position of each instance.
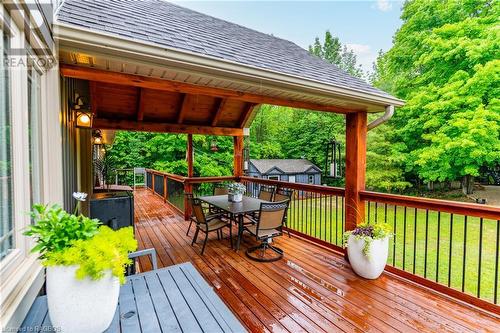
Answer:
(309, 177)
(274, 177)
(292, 178)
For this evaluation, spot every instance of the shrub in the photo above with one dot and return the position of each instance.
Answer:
(55, 229)
(106, 250)
(368, 233)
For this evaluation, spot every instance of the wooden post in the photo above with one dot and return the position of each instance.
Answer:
(355, 168)
(238, 156)
(165, 191)
(188, 188)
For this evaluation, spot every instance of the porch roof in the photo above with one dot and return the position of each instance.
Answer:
(156, 66)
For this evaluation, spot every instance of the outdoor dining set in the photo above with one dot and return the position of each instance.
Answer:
(263, 217)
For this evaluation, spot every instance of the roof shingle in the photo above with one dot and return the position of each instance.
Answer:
(173, 26)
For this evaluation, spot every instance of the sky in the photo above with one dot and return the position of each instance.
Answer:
(364, 26)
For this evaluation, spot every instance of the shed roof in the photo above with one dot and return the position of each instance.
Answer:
(285, 165)
(175, 27)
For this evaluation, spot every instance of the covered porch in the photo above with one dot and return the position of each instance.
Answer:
(312, 289)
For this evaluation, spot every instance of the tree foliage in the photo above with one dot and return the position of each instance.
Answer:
(444, 63)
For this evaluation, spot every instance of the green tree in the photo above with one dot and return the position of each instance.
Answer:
(444, 62)
(335, 53)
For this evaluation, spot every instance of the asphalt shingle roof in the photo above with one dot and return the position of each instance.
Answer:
(285, 165)
(173, 26)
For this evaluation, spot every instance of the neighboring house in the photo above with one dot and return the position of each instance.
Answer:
(287, 170)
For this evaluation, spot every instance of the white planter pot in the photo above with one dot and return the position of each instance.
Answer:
(80, 305)
(369, 268)
(235, 197)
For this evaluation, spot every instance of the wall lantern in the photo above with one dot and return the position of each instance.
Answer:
(213, 145)
(333, 160)
(97, 137)
(83, 113)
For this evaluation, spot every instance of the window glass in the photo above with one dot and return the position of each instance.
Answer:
(34, 135)
(311, 179)
(6, 198)
(273, 177)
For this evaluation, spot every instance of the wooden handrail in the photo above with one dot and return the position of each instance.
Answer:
(200, 180)
(454, 207)
(297, 186)
(175, 177)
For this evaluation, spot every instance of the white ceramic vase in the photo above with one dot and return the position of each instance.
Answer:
(368, 267)
(80, 305)
(235, 197)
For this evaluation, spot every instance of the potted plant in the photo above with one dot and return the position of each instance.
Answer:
(368, 249)
(236, 191)
(85, 266)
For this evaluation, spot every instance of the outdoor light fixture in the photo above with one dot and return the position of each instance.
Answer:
(333, 160)
(213, 145)
(83, 113)
(97, 137)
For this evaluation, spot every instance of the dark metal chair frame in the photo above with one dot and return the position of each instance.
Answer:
(280, 195)
(264, 239)
(200, 219)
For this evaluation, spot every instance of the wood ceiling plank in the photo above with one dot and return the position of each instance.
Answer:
(130, 125)
(93, 74)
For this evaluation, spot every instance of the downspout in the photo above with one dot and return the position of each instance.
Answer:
(389, 112)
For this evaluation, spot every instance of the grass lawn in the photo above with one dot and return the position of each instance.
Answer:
(415, 247)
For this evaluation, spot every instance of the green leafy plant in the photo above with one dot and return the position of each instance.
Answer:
(368, 233)
(55, 229)
(236, 188)
(106, 250)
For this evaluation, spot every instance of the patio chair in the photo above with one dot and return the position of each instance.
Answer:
(131, 270)
(268, 226)
(266, 193)
(220, 190)
(280, 195)
(208, 224)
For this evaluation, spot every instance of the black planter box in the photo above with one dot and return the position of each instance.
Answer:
(114, 209)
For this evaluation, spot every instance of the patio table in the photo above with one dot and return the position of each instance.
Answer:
(172, 299)
(239, 209)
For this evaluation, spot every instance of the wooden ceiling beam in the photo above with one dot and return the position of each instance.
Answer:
(93, 98)
(247, 112)
(219, 107)
(182, 108)
(92, 74)
(140, 104)
(130, 125)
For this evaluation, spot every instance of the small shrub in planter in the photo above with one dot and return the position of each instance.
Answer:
(85, 266)
(236, 191)
(368, 249)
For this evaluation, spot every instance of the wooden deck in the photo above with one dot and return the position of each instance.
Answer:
(311, 290)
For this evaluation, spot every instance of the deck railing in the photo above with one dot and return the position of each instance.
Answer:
(451, 247)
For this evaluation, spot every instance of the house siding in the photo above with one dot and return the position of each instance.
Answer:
(299, 177)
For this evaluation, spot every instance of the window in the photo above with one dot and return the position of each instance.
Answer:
(310, 179)
(6, 197)
(273, 177)
(34, 112)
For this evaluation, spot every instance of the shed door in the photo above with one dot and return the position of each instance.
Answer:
(291, 178)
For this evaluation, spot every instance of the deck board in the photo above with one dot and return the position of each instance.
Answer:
(310, 290)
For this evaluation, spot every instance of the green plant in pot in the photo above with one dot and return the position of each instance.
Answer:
(368, 248)
(85, 265)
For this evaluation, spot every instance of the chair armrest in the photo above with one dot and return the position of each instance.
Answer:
(140, 253)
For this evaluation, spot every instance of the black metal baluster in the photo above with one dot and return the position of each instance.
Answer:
(336, 220)
(451, 250)
(385, 213)
(437, 246)
(368, 203)
(415, 240)
(404, 239)
(480, 257)
(426, 241)
(495, 292)
(331, 218)
(395, 236)
(376, 213)
(342, 216)
(320, 214)
(465, 253)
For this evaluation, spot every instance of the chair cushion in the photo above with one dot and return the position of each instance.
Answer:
(263, 233)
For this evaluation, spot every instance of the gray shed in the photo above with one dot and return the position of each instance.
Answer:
(288, 170)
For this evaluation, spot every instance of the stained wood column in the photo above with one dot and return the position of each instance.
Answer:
(188, 188)
(238, 156)
(355, 168)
